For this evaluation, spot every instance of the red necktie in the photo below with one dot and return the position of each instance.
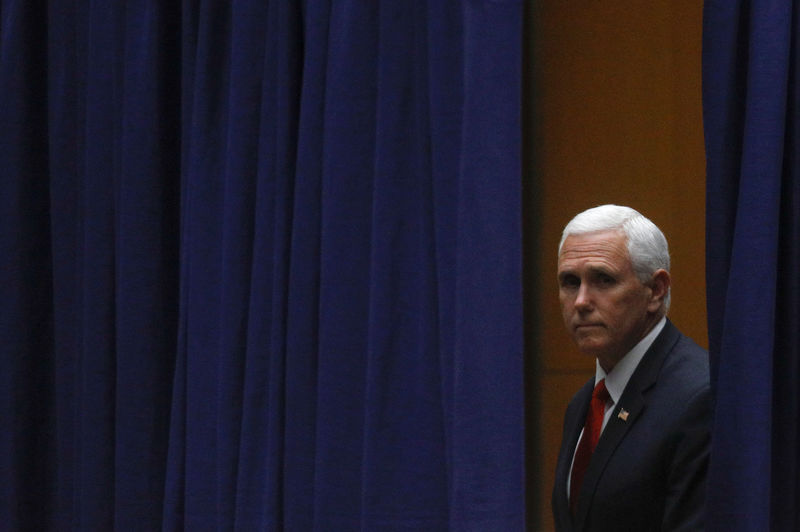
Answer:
(591, 433)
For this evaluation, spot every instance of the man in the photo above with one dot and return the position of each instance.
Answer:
(634, 450)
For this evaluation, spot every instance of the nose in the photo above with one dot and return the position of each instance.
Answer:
(583, 300)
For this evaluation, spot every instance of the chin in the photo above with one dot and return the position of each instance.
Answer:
(590, 342)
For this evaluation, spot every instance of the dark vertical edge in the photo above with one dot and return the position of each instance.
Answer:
(530, 286)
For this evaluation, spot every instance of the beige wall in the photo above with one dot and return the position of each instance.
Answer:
(615, 117)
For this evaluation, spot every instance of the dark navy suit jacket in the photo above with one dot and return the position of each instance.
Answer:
(648, 471)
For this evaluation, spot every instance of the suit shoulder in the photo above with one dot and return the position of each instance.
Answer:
(687, 366)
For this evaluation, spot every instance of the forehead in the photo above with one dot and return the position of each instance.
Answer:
(601, 249)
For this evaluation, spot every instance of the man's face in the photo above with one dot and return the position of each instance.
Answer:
(606, 308)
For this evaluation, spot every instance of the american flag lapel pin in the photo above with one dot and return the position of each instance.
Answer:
(623, 414)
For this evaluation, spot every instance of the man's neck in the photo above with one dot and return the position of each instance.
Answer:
(633, 355)
(608, 363)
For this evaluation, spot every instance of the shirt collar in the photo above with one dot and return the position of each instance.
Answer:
(623, 370)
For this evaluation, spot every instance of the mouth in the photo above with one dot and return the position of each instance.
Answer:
(587, 326)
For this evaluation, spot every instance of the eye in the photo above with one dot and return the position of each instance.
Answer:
(604, 279)
(570, 281)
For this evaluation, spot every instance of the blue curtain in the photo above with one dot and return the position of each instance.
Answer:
(260, 265)
(751, 99)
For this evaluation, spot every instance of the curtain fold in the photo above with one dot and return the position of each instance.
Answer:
(750, 98)
(261, 265)
(27, 456)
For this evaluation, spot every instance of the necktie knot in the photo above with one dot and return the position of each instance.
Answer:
(600, 392)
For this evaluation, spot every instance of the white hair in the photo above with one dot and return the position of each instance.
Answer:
(647, 246)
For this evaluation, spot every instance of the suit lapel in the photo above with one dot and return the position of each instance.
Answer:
(634, 402)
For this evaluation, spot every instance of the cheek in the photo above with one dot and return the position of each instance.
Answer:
(566, 319)
(629, 310)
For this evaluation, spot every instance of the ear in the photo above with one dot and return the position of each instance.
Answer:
(659, 286)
